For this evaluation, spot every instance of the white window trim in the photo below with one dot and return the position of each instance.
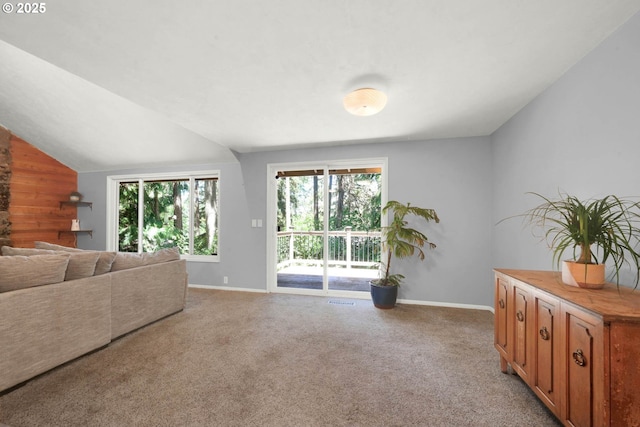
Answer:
(113, 203)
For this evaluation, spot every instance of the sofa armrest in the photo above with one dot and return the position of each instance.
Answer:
(142, 295)
(45, 326)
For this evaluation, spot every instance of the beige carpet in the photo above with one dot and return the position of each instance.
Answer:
(246, 359)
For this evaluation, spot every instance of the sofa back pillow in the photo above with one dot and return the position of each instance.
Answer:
(163, 255)
(81, 264)
(105, 260)
(18, 272)
(126, 260)
(11, 251)
(54, 247)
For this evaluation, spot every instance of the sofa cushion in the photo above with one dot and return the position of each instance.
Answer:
(54, 247)
(163, 255)
(105, 261)
(81, 263)
(126, 260)
(103, 265)
(18, 272)
(11, 251)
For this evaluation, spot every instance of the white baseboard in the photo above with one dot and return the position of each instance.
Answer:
(447, 304)
(401, 301)
(227, 288)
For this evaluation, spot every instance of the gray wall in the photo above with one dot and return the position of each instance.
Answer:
(581, 136)
(590, 117)
(452, 176)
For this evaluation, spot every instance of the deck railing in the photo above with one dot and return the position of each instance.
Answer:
(347, 248)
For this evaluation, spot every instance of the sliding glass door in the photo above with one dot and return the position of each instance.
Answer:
(327, 222)
(353, 228)
(301, 260)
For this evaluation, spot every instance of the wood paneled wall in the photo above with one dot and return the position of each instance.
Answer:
(38, 184)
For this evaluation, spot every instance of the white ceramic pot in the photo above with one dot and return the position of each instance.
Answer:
(589, 276)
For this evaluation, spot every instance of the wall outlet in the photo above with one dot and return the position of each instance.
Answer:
(225, 280)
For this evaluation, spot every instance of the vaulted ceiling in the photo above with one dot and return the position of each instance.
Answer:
(125, 84)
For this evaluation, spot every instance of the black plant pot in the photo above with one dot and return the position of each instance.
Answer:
(384, 296)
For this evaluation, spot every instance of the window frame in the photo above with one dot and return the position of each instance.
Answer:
(113, 184)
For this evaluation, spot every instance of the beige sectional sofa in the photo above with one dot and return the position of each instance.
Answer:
(44, 325)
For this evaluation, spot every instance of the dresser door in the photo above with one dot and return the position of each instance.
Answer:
(547, 350)
(580, 363)
(501, 320)
(521, 334)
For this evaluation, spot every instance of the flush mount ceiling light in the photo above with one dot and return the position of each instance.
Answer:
(365, 102)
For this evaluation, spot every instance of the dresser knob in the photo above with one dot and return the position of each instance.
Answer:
(544, 333)
(579, 358)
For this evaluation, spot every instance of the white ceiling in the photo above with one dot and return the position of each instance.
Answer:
(120, 84)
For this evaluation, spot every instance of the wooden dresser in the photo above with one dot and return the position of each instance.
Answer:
(578, 349)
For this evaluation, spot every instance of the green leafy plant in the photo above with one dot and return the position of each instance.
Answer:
(400, 240)
(595, 230)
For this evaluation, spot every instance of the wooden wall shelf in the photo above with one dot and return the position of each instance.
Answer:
(89, 232)
(70, 203)
(76, 204)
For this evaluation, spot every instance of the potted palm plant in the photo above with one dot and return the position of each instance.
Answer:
(596, 230)
(401, 241)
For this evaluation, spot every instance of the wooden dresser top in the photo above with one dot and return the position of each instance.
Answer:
(612, 303)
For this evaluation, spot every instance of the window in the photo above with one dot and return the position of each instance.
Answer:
(158, 211)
